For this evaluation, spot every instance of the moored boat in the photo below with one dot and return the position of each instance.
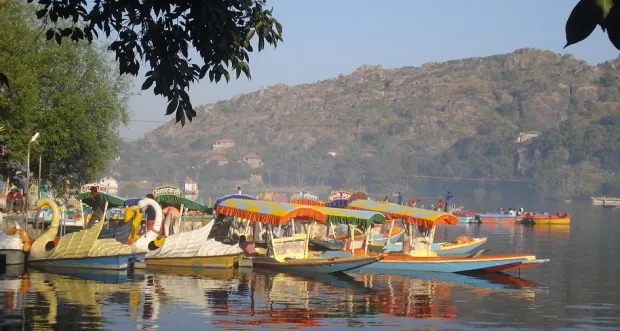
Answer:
(417, 254)
(184, 249)
(290, 253)
(534, 218)
(80, 249)
(494, 218)
(14, 243)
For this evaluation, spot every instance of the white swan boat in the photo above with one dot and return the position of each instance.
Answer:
(184, 249)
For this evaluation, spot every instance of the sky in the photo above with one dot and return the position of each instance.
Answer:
(325, 38)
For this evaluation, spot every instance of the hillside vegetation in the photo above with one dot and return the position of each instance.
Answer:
(384, 129)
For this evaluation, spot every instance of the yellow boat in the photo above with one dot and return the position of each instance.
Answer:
(558, 218)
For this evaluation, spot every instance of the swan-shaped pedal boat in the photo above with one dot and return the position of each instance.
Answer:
(185, 249)
(80, 249)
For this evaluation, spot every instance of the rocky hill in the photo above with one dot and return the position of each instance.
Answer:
(385, 128)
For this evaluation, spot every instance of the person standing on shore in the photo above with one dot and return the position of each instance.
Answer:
(400, 198)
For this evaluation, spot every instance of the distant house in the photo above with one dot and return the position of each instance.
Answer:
(253, 160)
(190, 186)
(219, 159)
(109, 182)
(224, 143)
(367, 155)
(332, 153)
(525, 136)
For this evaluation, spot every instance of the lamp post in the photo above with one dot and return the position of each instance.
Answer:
(39, 181)
(27, 186)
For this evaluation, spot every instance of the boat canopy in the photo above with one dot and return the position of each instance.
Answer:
(132, 201)
(275, 213)
(112, 200)
(177, 200)
(308, 202)
(417, 216)
(232, 196)
(352, 217)
(338, 199)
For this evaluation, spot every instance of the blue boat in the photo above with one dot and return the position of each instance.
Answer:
(115, 262)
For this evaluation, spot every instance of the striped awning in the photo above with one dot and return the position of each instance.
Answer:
(352, 217)
(411, 215)
(276, 213)
(232, 196)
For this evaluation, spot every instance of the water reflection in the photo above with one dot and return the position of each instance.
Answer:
(231, 299)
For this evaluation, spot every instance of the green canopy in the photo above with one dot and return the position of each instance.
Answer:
(112, 200)
(176, 200)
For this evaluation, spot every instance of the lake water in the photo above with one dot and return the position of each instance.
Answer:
(579, 289)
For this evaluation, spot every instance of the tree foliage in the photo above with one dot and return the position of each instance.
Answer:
(68, 93)
(588, 14)
(164, 34)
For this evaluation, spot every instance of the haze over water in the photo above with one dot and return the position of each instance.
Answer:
(578, 289)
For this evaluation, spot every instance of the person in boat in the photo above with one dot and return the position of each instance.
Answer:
(520, 211)
(449, 197)
(501, 210)
(247, 247)
(386, 199)
(14, 200)
(150, 214)
(400, 198)
(98, 206)
(238, 189)
(511, 212)
(440, 205)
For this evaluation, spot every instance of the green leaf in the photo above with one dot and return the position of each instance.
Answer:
(148, 83)
(172, 105)
(250, 35)
(49, 34)
(582, 21)
(605, 6)
(246, 69)
(612, 22)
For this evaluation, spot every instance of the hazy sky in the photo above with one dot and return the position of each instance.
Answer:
(324, 38)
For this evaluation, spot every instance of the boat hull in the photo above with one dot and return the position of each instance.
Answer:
(496, 263)
(12, 256)
(216, 261)
(466, 219)
(116, 262)
(560, 220)
(494, 218)
(320, 265)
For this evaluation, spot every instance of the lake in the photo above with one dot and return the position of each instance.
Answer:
(578, 289)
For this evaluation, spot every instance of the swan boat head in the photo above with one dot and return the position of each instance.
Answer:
(150, 240)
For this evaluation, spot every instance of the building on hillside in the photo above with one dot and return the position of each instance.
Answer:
(367, 155)
(253, 160)
(221, 160)
(332, 152)
(109, 182)
(224, 143)
(525, 136)
(190, 186)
